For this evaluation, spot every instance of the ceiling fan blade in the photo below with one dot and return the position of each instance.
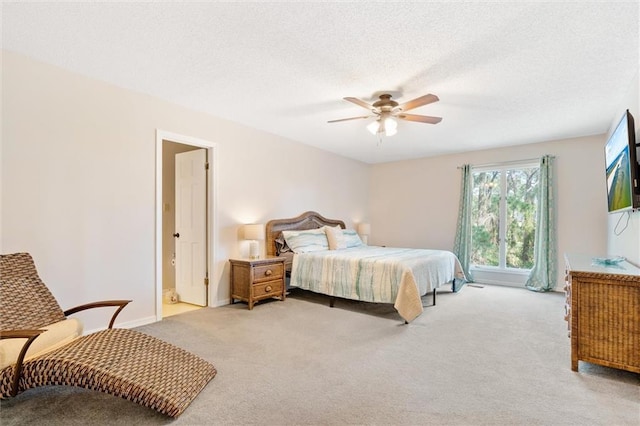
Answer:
(422, 100)
(347, 119)
(357, 101)
(420, 118)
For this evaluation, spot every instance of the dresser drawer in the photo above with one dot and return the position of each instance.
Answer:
(268, 272)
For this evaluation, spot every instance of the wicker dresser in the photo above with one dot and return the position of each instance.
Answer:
(603, 313)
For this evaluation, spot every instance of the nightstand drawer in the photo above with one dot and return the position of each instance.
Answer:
(268, 272)
(269, 288)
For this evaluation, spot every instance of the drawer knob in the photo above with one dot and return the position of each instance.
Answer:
(268, 288)
(268, 272)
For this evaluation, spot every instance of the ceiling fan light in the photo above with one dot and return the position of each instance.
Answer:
(383, 126)
(391, 126)
(373, 127)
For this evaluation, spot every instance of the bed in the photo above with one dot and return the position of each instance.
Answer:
(359, 272)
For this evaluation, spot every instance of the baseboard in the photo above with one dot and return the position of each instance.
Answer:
(500, 283)
(129, 324)
(508, 284)
(222, 303)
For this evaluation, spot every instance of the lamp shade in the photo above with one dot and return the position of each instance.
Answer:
(391, 126)
(364, 229)
(385, 125)
(254, 231)
(373, 127)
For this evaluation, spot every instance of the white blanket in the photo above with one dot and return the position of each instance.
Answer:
(377, 274)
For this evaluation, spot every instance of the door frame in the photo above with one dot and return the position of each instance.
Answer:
(212, 204)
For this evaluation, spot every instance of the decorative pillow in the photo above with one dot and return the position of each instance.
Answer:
(351, 238)
(335, 237)
(307, 240)
(281, 246)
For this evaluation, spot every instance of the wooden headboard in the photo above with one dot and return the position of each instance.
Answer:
(307, 220)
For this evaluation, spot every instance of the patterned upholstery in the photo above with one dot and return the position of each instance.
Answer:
(120, 362)
(17, 265)
(26, 301)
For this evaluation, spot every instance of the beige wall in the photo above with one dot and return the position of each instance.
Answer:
(415, 203)
(78, 187)
(78, 184)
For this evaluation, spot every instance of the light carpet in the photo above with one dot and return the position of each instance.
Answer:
(483, 356)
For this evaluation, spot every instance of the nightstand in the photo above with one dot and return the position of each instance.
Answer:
(257, 279)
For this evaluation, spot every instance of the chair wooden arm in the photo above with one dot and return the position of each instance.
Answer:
(30, 335)
(20, 334)
(101, 304)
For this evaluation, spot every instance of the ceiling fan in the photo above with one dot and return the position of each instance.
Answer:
(387, 110)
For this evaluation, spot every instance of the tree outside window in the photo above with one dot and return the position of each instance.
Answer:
(503, 216)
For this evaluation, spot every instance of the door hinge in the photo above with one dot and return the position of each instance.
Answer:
(206, 165)
(206, 281)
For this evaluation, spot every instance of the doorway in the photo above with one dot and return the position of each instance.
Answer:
(169, 288)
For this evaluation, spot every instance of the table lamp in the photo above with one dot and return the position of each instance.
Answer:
(364, 229)
(254, 232)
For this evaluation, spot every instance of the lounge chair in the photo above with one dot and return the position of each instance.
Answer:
(40, 346)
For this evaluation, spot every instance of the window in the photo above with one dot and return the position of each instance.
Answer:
(504, 216)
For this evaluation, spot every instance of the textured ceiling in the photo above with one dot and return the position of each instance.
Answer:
(506, 73)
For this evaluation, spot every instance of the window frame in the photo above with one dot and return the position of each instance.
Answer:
(502, 274)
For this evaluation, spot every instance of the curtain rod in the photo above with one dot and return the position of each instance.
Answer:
(506, 163)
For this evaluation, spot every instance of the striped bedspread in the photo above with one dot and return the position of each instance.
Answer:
(377, 274)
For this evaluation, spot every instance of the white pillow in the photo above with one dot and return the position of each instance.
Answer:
(306, 241)
(351, 238)
(335, 237)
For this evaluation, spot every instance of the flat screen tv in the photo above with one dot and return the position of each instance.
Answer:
(623, 170)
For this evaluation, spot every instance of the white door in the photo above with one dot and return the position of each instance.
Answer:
(191, 227)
